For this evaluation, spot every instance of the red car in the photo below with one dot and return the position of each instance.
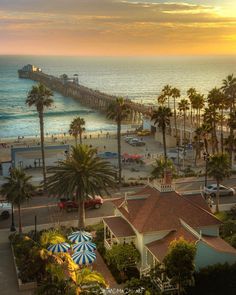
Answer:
(91, 202)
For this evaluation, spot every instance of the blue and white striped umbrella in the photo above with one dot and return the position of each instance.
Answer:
(84, 257)
(80, 236)
(61, 247)
(84, 246)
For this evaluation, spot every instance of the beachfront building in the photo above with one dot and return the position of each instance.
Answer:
(156, 215)
(31, 157)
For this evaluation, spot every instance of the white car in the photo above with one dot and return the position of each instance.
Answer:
(211, 190)
(128, 138)
(5, 210)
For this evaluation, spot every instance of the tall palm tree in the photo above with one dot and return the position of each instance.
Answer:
(118, 111)
(17, 190)
(175, 93)
(77, 129)
(198, 103)
(219, 167)
(183, 108)
(214, 115)
(80, 175)
(165, 95)
(191, 92)
(161, 117)
(229, 89)
(40, 97)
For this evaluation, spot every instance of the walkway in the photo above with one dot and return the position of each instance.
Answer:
(8, 282)
(102, 268)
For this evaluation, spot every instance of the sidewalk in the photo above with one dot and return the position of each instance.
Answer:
(8, 282)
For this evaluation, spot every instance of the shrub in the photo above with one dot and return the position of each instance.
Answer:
(228, 228)
(215, 280)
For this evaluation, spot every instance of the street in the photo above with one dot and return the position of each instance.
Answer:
(47, 211)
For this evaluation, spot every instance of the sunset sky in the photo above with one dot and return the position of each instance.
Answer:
(117, 28)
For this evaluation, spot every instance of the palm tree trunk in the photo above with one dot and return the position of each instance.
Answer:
(164, 142)
(19, 218)
(76, 140)
(221, 133)
(81, 224)
(119, 148)
(175, 119)
(217, 196)
(80, 137)
(42, 148)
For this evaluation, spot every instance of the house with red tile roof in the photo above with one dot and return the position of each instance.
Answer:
(156, 215)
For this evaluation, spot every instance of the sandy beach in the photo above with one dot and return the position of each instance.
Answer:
(103, 141)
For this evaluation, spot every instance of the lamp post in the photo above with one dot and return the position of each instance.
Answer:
(12, 228)
(206, 157)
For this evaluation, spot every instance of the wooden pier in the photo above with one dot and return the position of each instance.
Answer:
(86, 96)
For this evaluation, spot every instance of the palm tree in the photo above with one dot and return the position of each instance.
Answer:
(76, 129)
(165, 95)
(198, 103)
(191, 92)
(175, 93)
(161, 117)
(183, 108)
(17, 190)
(40, 97)
(219, 167)
(80, 175)
(229, 89)
(118, 111)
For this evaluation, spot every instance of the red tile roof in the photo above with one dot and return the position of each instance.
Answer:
(119, 226)
(159, 248)
(218, 244)
(162, 211)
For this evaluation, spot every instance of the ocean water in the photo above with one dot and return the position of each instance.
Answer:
(140, 79)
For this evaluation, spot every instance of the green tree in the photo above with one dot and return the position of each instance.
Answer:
(179, 263)
(160, 166)
(80, 175)
(52, 237)
(161, 117)
(17, 190)
(219, 168)
(40, 97)
(123, 256)
(77, 129)
(118, 111)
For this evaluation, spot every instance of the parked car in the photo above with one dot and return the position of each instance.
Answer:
(128, 138)
(108, 155)
(5, 210)
(91, 202)
(136, 142)
(211, 190)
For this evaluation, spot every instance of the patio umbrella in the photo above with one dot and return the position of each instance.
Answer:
(84, 246)
(84, 257)
(61, 247)
(80, 236)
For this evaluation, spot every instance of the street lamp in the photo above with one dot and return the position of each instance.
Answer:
(206, 157)
(12, 228)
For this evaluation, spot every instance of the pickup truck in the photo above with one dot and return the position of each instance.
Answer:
(5, 210)
(69, 205)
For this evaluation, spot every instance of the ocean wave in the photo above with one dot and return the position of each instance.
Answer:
(11, 116)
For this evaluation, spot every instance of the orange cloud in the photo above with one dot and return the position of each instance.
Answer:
(113, 27)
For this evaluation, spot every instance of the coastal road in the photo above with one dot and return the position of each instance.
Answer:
(47, 211)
